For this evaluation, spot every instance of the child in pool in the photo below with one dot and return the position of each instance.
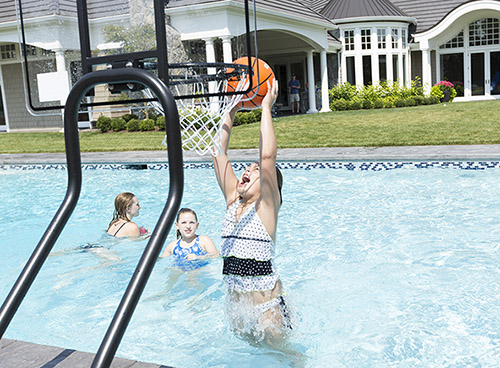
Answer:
(126, 208)
(189, 248)
(249, 234)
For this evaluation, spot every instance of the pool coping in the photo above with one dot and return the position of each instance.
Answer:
(453, 152)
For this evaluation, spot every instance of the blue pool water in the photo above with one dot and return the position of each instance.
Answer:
(386, 265)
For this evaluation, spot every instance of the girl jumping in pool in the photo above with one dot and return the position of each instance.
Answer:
(189, 248)
(255, 293)
(126, 208)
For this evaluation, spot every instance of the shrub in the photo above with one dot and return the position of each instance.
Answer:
(388, 103)
(419, 100)
(118, 124)
(146, 125)
(378, 104)
(128, 117)
(439, 88)
(340, 105)
(355, 105)
(367, 104)
(103, 123)
(433, 100)
(400, 102)
(343, 91)
(160, 122)
(246, 118)
(133, 125)
(410, 101)
(257, 113)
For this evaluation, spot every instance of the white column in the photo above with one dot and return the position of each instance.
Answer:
(61, 67)
(212, 86)
(358, 58)
(227, 50)
(325, 100)
(426, 70)
(311, 84)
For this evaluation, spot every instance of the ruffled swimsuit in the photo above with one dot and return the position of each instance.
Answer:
(181, 253)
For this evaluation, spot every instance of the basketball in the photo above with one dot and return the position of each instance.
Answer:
(262, 73)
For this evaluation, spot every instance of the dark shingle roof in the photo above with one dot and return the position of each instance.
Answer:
(298, 8)
(428, 12)
(342, 9)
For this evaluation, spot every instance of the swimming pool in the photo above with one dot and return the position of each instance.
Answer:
(387, 264)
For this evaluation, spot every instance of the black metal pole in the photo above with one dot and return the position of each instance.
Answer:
(146, 264)
(42, 250)
(129, 301)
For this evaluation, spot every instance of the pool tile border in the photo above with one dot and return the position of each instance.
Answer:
(332, 165)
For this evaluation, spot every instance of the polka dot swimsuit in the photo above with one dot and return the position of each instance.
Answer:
(247, 250)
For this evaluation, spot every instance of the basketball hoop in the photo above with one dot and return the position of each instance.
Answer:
(201, 117)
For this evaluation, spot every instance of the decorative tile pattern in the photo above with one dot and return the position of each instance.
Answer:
(340, 165)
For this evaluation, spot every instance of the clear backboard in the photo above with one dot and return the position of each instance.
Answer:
(183, 42)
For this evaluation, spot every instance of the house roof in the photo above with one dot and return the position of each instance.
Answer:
(427, 12)
(345, 9)
(298, 8)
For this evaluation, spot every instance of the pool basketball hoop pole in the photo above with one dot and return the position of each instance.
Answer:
(119, 76)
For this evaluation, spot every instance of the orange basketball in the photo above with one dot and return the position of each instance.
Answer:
(262, 73)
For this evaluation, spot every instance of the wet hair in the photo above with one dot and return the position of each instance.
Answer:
(122, 202)
(181, 211)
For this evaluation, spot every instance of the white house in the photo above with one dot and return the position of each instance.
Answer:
(324, 42)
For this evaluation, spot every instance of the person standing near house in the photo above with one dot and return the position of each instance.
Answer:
(294, 89)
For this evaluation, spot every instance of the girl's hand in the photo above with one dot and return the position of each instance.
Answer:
(271, 95)
(191, 257)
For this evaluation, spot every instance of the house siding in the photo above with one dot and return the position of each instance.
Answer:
(19, 117)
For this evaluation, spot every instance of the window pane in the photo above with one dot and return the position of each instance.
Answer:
(367, 70)
(452, 69)
(382, 67)
(495, 73)
(395, 67)
(351, 74)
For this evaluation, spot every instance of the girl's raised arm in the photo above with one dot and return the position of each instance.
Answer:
(226, 178)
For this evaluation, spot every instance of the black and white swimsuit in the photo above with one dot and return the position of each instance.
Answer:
(248, 251)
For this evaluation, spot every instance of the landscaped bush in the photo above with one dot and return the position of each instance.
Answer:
(343, 91)
(160, 122)
(439, 90)
(388, 103)
(103, 123)
(419, 100)
(133, 125)
(246, 118)
(147, 125)
(378, 104)
(257, 113)
(339, 105)
(118, 124)
(400, 102)
(355, 105)
(366, 104)
(128, 117)
(433, 100)
(410, 101)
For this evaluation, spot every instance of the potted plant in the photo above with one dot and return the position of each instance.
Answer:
(444, 90)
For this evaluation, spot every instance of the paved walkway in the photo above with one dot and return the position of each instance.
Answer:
(19, 354)
(472, 152)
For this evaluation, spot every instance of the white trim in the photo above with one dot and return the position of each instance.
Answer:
(3, 128)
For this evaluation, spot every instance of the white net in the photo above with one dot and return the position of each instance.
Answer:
(201, 118)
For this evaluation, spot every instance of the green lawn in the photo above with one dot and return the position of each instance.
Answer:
(442, 124)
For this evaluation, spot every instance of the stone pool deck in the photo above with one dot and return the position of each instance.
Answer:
(457, 152)
(19, 354)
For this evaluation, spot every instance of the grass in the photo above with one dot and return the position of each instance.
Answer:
(443, 124)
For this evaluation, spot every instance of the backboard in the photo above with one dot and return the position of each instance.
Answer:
(178, 40)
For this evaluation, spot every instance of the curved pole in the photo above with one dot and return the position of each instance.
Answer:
(159, 235)
(129, 301)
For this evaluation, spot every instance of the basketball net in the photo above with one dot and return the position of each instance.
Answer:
(201, 119)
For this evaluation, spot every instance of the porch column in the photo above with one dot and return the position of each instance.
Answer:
(61, 67)
(227, 50)
(311, 85)
(325, 100)
(210, 54)
(426, 70)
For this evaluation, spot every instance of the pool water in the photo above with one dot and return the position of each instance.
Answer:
(385, 265)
